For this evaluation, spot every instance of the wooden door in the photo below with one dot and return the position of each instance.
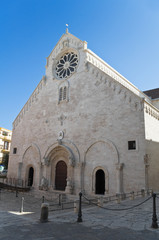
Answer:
(61, 175)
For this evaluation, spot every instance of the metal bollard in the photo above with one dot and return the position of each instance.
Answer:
(79, 219)
(154, 216)
(44, 212)
(43, 199)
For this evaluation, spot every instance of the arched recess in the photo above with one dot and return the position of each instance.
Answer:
(110, 145)
(57, 155)
(101, 153)
(103, 181)
(31, 159)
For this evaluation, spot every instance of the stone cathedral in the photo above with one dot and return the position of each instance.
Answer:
(86, 128)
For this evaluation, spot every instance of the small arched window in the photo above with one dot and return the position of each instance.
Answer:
(60, 94)
(63, 94)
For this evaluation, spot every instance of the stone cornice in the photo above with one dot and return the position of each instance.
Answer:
(151, 110)
(106, 68)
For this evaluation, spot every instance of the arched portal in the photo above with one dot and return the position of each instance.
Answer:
(61, 176)
(30, 176)
(100, 182)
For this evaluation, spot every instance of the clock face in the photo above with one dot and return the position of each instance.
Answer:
(67, 65)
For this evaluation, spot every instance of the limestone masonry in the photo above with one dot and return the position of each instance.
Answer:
(86, 128)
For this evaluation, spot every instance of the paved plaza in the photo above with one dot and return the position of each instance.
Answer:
(98, 223)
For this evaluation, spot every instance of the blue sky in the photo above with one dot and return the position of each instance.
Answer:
(124, 33)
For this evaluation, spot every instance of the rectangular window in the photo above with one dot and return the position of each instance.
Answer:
(132, 145)
(14, 150)
(6, 145)
(4, 133)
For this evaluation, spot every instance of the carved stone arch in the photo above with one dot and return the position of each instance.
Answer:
(106, 178)
(69, 146)
(64, 151)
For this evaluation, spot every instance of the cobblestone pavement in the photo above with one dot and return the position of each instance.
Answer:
(97, 223)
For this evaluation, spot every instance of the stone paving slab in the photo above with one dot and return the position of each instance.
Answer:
(97, 223)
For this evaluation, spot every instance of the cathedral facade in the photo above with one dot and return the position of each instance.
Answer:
(85, 128)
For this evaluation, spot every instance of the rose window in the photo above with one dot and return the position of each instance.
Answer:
(67, 65)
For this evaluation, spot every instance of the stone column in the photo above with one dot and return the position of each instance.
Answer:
(119, 168)
(146, 162)
(81, 166)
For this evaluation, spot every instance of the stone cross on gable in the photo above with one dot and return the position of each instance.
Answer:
(62, 118)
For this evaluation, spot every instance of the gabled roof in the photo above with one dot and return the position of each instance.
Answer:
(153, 93)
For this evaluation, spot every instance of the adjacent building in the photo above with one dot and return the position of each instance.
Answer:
(5, 142)
(86, 128)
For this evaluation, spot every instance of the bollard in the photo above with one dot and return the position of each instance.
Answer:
(132, 195)
(79, 219)
(22, 205)
(154, 216)
(43, 199)
(44, 212)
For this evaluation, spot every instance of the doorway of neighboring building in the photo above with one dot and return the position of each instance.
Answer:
(61, 176)
(100, 182)
(30, 176)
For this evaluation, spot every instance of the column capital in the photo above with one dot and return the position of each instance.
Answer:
(119, 166)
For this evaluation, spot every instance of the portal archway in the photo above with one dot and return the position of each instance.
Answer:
(100, 182)
(30, 176)
(61, 176)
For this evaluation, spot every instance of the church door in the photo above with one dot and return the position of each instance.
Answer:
(100, 182)
(61, 176)
(30, 176)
